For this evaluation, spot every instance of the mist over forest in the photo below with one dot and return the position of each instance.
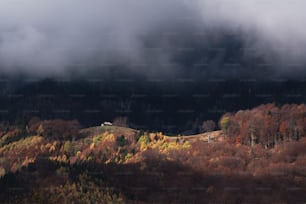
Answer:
(165, 65)
(174, 63)
(152, 101)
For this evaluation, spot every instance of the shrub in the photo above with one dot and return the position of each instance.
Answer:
(68, 147)
(224, 124)
(121, 141)
(97, 139)
(143, 141)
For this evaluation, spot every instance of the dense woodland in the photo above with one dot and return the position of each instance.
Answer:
(267, 125)
(258, 157)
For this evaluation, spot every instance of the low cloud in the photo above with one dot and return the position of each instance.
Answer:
(52, 36)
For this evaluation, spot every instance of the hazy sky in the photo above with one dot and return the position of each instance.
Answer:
(45, 37)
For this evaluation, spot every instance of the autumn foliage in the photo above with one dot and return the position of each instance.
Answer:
(58, 128)
(262, 160)
(266, 125)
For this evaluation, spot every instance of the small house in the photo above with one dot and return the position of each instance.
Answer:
(106, 124)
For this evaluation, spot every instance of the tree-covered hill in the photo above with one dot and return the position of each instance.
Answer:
(50, 162)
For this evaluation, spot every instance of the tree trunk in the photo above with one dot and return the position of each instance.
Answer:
(252, 139)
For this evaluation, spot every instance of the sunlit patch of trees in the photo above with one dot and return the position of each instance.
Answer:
(19, 154)
(266, 125)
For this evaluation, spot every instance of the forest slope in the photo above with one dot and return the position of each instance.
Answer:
(123, 165)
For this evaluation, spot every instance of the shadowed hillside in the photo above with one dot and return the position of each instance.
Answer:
(113, 164)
